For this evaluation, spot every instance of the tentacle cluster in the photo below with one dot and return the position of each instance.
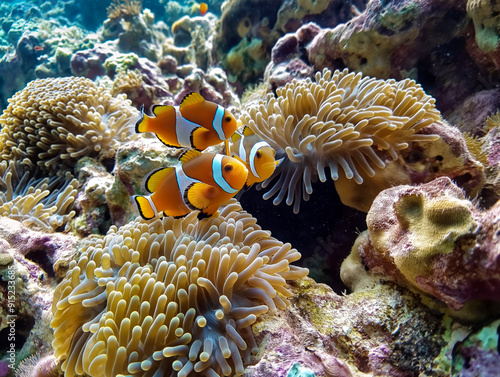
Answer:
(173, 297)
(341, 120)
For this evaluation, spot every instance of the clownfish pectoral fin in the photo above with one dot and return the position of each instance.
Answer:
(145, 206)
(157, 177)
(198, 137)
(235, 137)
(198, 195)
(247, 131)
(191, 99)
(188, 155)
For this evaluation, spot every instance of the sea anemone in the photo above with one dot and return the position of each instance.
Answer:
(340, 119)
(53, 122)
(43, 203)
(172, 297)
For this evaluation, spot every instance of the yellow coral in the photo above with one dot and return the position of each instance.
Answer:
(170, 297)
(339, 120)
(43, 203)
(55, 121)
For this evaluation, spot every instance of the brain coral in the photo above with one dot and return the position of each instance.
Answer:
(53, 122)
(43, 203)
(172, 297)
(340, 119)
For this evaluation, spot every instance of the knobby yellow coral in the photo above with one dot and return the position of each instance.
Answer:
(53, 122)
(43, 203)
(172, 297)
(340, 119)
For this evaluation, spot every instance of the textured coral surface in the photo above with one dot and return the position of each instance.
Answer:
(432, 239)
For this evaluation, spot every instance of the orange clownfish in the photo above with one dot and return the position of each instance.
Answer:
(255, 153)
(199, 182)
(203, 8)
(195, 123)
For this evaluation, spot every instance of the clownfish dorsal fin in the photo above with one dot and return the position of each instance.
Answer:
(196, 195)
(157, 177)
(159, 109)
(189, 155)
(247, 131)
(191, 99)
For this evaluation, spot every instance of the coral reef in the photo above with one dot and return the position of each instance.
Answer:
(341, 119)
(380, 332)
(171, 296)
(244, 39)
(37, 260)
(431, 239)
(53, 122)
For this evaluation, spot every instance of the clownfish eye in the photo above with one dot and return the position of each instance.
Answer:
(228, 167)
(258, 154)
(227, 119)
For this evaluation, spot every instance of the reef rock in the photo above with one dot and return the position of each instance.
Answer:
(380, 332)
(431, 239)
(31, 262)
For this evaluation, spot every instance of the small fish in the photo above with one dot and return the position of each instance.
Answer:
(255, 153)
(38, 48)
(203, 8)
(195, 123)
(199, 182)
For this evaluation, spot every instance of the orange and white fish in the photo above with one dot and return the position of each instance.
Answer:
(195, 123)
(257, 155)
(203, 8)
(199, 182)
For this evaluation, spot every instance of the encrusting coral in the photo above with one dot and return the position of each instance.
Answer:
(53, 122)
(431, 239)
(172, 297)
(340, 119)
(43, 203)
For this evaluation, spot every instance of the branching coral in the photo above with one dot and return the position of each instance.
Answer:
(43, 203)
(173, 297)
(340, 119)
(53, 122)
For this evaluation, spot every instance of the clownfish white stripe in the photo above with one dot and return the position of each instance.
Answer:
(242, 152)
(253, 152)
(183, 128)
(183, 181)
(218, 177)
(217, 122)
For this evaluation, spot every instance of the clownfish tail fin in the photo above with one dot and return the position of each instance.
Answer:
(141, 125)
(146, 207)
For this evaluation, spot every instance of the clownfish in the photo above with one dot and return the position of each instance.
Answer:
(195, 123)
(203, 8)
(255, 153)
(199, 182)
